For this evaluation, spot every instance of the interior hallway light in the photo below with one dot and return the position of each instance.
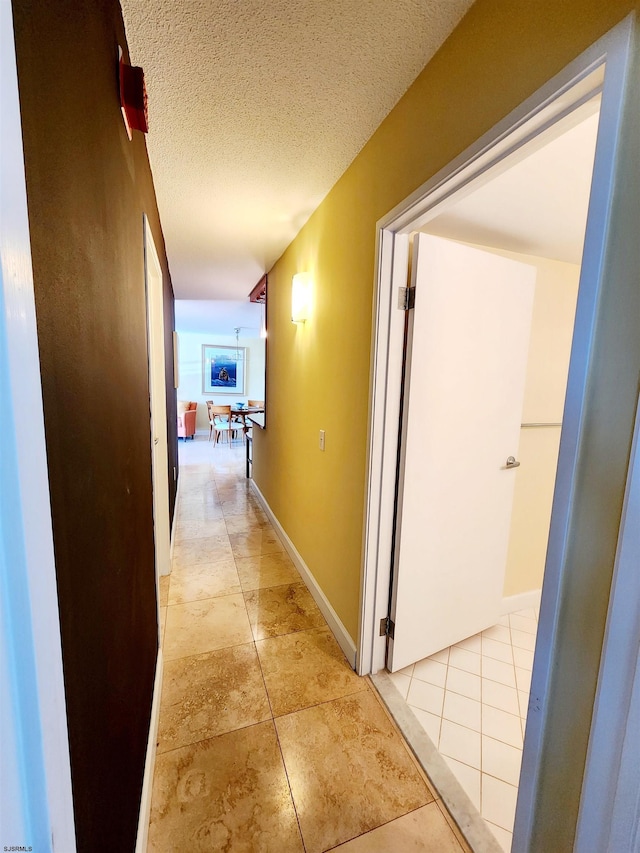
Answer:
(300, 297)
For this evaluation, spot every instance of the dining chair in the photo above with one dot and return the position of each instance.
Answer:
(220, 421)
(259, 404)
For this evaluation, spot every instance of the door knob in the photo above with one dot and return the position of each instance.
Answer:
(512, 462)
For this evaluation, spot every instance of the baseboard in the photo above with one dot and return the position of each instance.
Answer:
(339, 631)
(521, 601)
(150, 761)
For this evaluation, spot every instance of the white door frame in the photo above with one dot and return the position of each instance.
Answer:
(35, 777)
(158, 402)
(553, 103)
(610, 802)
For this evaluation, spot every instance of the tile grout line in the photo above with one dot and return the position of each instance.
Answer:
(286, 773)
(280, 750)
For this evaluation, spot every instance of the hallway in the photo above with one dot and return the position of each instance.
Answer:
(267, 740)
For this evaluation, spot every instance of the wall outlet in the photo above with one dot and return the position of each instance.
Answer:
(321, 439)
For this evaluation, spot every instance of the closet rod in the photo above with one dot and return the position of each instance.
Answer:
(538, 426)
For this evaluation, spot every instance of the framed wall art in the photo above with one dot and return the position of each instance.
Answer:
(223, 369)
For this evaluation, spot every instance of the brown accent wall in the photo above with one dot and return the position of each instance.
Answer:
(88, 187)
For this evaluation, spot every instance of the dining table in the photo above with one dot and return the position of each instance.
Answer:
(242, 413)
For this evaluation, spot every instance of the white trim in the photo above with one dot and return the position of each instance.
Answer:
(615, 48)
(150, 762)
(553, 102)
(339, 631)
(608, 814)
(386, 372)
(36, 782)
(557, 101)
(521, 601)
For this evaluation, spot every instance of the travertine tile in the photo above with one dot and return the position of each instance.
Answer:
(239, 504)
(202, 626)
(255, 543)
(348, 770)
(209, 549)
(190, 511)
(203, 580)
(192, 465)
(305, 669)
(228, 490)
(267, 570)
(281, 610)
(207, 695)
(227, 793)
(199, 529)
(163, 582)
(194, 482)
(424, 830)
(197, 498)
(248, 521)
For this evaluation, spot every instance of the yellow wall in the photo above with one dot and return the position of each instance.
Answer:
(319, 377)
(318, 374)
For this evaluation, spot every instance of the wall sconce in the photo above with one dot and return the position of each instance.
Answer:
(300, 297)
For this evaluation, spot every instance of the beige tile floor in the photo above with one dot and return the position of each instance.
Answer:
(267, 740)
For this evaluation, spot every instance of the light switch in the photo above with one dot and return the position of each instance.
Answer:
(321, 439)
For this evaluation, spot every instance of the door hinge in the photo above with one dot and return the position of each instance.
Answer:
(387, 627)
(406, 298)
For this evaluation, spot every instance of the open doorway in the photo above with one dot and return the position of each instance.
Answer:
(488, 356)
(234, 328)
(548, 114)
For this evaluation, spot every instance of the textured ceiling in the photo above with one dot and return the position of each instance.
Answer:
(257, 107)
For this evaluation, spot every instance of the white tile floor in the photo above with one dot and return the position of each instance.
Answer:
(471, 699)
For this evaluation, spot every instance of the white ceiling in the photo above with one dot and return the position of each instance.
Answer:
(219, 317)
(256, 108)
(537, 203)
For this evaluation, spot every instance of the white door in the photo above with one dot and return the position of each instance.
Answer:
(158, 394)
(468, 356)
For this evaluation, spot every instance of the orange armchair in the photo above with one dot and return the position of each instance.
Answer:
(187, 420)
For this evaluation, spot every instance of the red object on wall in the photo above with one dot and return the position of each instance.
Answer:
(133, 97)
